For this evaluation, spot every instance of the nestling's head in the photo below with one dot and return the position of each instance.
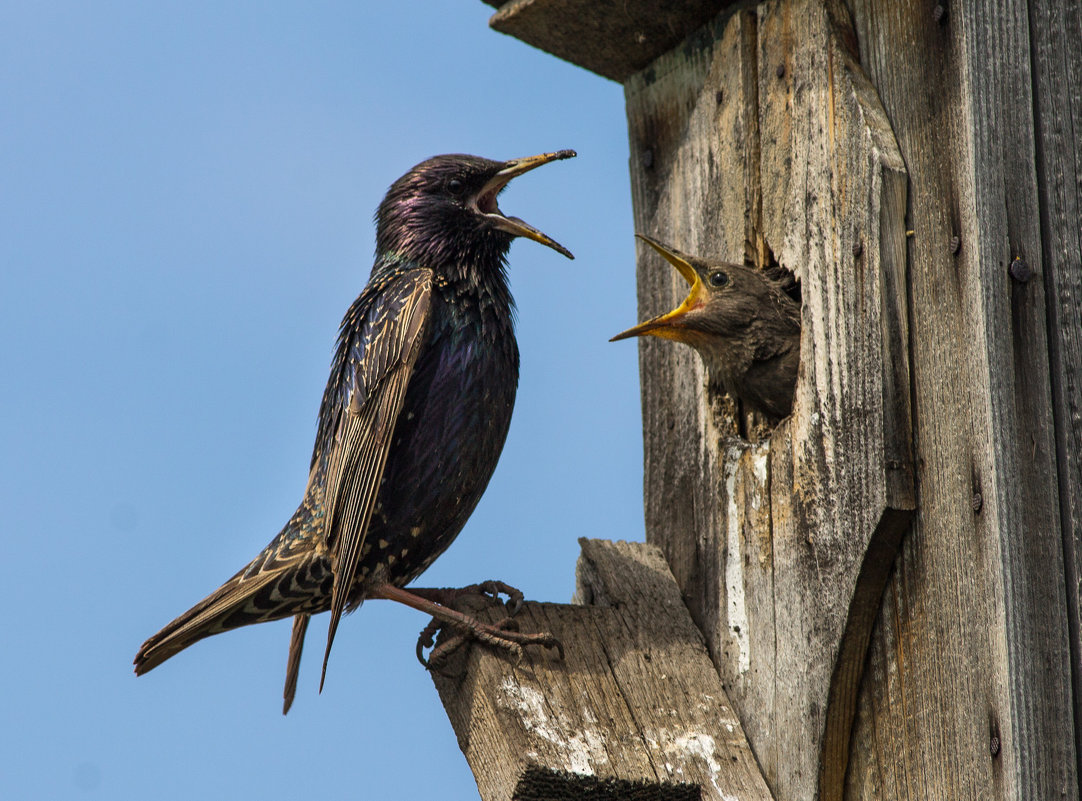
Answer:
(724, 300)
(744, 322)
(445, 209)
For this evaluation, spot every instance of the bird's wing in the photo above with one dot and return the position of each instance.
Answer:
(378, 370)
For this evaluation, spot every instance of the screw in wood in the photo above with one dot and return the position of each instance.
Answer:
(858, 248)
(994, 746)
(939, 13)
(956, 245)
(1019, 270)
(977, 501)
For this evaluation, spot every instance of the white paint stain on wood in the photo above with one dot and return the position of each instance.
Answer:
(581, 746)
(734, 569)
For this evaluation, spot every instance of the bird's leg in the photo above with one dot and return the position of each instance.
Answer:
(500, 635)
(446, 596)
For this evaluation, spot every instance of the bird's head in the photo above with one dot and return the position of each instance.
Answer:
(724, 300)
(444, 210)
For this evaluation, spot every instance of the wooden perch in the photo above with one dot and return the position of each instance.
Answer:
(636, 709)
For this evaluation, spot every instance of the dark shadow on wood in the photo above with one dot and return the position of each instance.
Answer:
(539, 784)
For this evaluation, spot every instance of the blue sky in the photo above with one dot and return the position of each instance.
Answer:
(186, 199)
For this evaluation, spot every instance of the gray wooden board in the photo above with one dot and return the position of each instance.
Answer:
(968, 691)
(765, 141)
(1056, 41)
(636, 702)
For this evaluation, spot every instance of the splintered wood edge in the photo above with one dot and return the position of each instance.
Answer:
(636, 701)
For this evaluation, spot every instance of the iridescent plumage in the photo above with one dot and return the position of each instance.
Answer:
(413, 418)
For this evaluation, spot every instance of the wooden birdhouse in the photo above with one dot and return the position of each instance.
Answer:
(877, 598)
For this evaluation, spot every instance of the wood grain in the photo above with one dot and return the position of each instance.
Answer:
(1056, 41)
(968, 691)
(636, 709)
(772, 142)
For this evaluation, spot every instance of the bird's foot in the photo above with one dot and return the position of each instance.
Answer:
(460, 627)
(503, 634)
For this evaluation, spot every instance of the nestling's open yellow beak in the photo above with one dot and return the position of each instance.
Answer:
(669, 325)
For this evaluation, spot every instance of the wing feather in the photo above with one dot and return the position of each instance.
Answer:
(381, 364)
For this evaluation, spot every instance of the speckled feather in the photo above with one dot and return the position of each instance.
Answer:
(411, 425)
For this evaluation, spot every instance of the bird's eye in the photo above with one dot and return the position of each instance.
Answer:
(455, 186)
(718, 278)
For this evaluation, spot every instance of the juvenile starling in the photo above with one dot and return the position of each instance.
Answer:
(412, 422)
(743, 322)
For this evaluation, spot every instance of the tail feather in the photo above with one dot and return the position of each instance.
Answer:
(293, 663)
(256, 594)
(207, 617)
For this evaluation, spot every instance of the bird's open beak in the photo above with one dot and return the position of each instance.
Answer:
(670, 325)
(486, 199)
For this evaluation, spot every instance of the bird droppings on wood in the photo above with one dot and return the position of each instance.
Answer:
(735, 601)
(582, 748)
(606, 712)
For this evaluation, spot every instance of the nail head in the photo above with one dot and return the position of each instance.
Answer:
(1020, 271)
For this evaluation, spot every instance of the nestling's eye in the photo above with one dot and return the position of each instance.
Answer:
(718, 278)
(455, 187)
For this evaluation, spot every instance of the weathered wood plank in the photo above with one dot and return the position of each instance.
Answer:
(1056, 41)
(773, 141)
(609, 38)
(674, 183)
(636, 709)
(968, 690)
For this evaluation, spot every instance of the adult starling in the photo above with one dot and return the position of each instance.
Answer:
(412, 422)
(744, 322)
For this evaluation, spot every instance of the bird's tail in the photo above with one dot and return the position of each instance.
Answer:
(265, 590)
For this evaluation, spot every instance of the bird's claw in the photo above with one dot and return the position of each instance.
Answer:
(503, 634)
(427, 639)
